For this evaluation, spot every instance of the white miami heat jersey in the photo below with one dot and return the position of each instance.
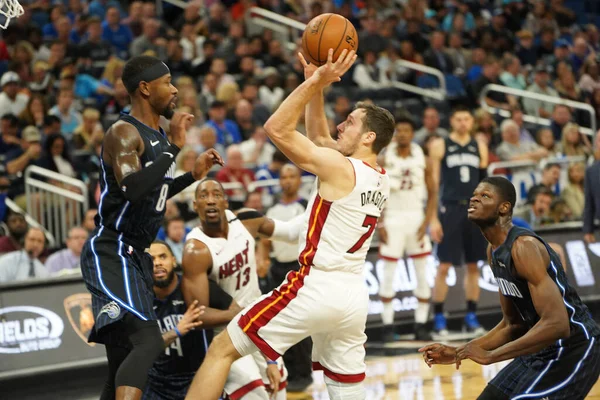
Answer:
(337, 234)
(408, 191)
(234, 260)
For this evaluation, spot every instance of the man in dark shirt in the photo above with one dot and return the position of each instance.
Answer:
(94, 52)
(490, 74)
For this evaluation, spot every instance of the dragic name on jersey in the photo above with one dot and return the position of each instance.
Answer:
(408, 191)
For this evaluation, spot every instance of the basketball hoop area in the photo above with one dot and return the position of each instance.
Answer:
(9, 9)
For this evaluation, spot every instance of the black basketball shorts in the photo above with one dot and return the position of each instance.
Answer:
(462, 241)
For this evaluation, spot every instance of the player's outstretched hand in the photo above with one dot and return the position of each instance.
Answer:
(309, 69)
(205, 162)
(274, 378)
(438, 353)
(475, 353)
(331, 72)
(178, 127)
(190, 318)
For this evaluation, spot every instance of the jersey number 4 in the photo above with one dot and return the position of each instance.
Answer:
(370, 222)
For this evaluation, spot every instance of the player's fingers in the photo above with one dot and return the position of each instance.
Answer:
(427, 348)
(342, 57)
(302, 60)
(192, 306)
(330, 56)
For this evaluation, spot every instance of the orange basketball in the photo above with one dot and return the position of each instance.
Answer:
(328, 31)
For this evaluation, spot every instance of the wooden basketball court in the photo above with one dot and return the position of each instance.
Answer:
(407, 377)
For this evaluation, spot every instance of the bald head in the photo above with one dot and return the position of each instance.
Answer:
(234, 157)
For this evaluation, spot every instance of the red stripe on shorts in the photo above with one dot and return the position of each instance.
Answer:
(265, 310)
(247, 388)
(318, 215)
(420, 255)
(334, 376)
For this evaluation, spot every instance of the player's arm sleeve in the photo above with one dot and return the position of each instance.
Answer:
(287, 231)
(218, 298)
(180, 183)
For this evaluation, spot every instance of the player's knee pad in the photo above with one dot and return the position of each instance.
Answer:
(345, 391)
(422, 291)
(386, 286)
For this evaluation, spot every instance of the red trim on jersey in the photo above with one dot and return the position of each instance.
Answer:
(265, 310)
(343, 378)
(420, 255)
(318, 215)
(282, 384)
(386, 258)
(247, 388)
(381, 170)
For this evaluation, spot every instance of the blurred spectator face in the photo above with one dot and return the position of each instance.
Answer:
(254, 201)
(371, 25)
(247, 65)
(510, 133)
(234, 158)
(149, 10)
(216, 12)
(176, 230)
(256, 46)
(34, 242)
(90, 120)
(76, 240)
(550, 176)
(112, 16)
(171, 210)
(208, 137)
(218, 67)
(243, 111)
(17, 226)
(63, 27)
(242, 49)
(572, 136)
(478, 56)
(291, 81)
(210, 82)
(541, 204)
(56, 13)
(561, 52)
(164, 265)
(517, 116)
(290, 180)
(151, 28)
(7, 128)
(135, 10)
(404, 134)
(514, 67)
(580, 47)
(492, 70)
(58, 146)
(259, 134)
(94, 31)
(437, 41)
(547, 38)
(526, 42)
(236, 30)
(250, 93)
(561, 115)
(455, 41)
(541, 78)
(462, 122)
(190, 13)
(458, 24)
(546, 139)
(275, 48)
(88, 221)
(217, 114)
(11, 89)
(370, 57)
(576, 173)
(431, 119)
(209, 50)
(189, 159)
(562, 69)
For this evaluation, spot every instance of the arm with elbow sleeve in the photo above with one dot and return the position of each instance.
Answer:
(288, 231)
(139, 184)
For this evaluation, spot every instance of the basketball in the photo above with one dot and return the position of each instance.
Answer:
(328, 31)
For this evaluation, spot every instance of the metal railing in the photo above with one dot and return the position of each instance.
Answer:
(55, 201)
(533, 164)
(536, 96)
(31, 222)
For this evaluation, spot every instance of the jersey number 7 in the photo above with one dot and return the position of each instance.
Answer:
(369, 222)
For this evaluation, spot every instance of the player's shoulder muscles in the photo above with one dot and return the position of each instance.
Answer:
(530, 259)
(437, 148)
(123, 146)
(196, 258)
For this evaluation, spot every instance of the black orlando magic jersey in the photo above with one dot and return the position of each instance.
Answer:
(139, 223)
(459, 170)
(517, 290)
(173, 370)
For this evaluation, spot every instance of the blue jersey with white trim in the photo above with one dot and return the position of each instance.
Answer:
(517, 290)
(139, 222)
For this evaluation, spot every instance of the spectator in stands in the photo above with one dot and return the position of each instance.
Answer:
(149, 40)
(573, 193)
(227, 130)
(95, 52)
(459, 55)
(436, 56)
(573, 143)
(218, 67)
(579, 54)
(545, 138)
(484, 123)
(591, 208)
(254, 201)
(340, 110)
(431, 127)
(90, 133)
(561, 116)
(116, 33)
(590, 77)
(269, 171)
(257, 150)
(89, 224)
(477, 61)
(525, 51)
(549, 181)
(367, 75)
(11, 100)
(490, 75)
(56, 156)
(260, 113)
(9, 142)
(234, 172)
(51, 126)
(175, 232)
(516, 115)
(207, 139)
(243, 118)
(538, 212)
(270, 93)
(567, 87)
(17, 228)
(512, 76)
(25, 264)
(29, 153)
(67, 260)
(35, 112)
(70, 118)
(540, 86)
(369, 37)
(512, 149)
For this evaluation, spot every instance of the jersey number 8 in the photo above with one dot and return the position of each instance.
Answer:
(162, 198)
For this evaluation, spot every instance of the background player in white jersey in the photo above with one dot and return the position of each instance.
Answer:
(406, 220)
(327, 299)
(222, 248)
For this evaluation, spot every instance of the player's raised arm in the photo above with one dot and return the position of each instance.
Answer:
(260, 225)
(531, 260)
(196, 261)
(327, 164)
(317, 129)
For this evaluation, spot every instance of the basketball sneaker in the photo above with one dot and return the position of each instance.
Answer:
(472, 325)
(439, 325)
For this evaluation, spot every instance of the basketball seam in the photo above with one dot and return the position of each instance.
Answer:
(321, 37)
(307, 48)
(343, 35)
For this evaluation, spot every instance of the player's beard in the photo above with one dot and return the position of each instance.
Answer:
(163, 283)
(484, 223)
(168, 111)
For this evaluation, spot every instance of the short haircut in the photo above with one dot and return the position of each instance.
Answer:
(136, 66)
(174, 219)
(380, 121)
(278, 156)
(208, 179)
(505, 189)
(543, 191)
(157, 241)
(12, 119)
(460, 108)
(404, 118)
(551, 165)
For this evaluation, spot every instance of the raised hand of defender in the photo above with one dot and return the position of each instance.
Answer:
(438, 353)
(309, 69)
(331, 72)
(205, 162)
(190, 318)
(178, 127)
